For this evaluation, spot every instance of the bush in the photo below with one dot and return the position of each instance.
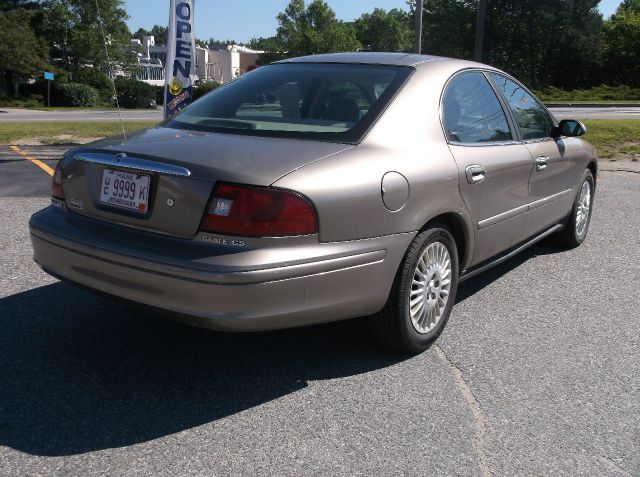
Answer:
(33, 101)
(159, 95)
(74, 94)
(97, 79)
(203, 88)
(134, 94)
(28, 89)
(598, 93)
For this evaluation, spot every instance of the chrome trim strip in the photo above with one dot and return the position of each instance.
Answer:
(122, 160)
(544, 200)
(503, 216)
(484, 144)
(465, 274)
(521, 209)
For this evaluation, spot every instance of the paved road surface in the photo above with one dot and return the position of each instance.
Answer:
(597, 113)
(156, 115)
(537, 373)
(79, 115)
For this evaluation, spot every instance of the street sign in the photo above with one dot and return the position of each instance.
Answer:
(48, 75)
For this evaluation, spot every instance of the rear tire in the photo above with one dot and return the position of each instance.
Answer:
(575, 231)
(422, 295)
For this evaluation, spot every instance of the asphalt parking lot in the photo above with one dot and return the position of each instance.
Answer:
(537, 373)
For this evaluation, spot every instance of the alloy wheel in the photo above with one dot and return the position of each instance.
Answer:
(584, 206)
(430, 287)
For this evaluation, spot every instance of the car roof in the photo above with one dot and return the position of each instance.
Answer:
(376, 58)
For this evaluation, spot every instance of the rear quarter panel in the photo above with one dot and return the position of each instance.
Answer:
(408, 139)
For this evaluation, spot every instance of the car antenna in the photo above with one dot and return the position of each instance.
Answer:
(113, 83)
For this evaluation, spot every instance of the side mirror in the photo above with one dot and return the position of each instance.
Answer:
(569, 128)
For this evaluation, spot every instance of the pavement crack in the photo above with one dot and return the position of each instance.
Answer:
(621, 170)
(615, 466)
(474, 407)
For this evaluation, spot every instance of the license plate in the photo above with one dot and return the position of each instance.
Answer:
(125, 190)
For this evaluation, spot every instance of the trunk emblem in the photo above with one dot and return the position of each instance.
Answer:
(120, 156)
(170, 202)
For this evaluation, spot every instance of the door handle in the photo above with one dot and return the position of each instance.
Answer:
(541, 163)
(475, 174)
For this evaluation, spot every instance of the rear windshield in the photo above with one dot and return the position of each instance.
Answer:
(333, 102)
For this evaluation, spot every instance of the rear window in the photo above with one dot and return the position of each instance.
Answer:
(334, 102)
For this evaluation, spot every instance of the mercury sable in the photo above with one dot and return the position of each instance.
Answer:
(321, 188)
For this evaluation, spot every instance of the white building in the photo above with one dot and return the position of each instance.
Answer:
(211, 65)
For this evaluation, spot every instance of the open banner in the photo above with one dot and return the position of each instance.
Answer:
(181, 57)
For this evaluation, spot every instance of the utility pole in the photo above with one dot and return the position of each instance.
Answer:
(482, 14)
(418, 37)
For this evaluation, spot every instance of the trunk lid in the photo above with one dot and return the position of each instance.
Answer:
(180, 169)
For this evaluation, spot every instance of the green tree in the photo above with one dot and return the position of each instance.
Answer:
(542, 42)
(8, 5)
(220, 44)
(546, 41)
(622, 33)
(22, 53)
(449, 27)
(75, 34)
(273, 49)
(160, 34)
(630, 6)
(310, 29)
(385, 31)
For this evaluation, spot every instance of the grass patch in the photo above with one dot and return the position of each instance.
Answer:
(614, 139)
(63, 132)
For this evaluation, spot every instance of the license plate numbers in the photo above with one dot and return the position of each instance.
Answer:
(125, 190)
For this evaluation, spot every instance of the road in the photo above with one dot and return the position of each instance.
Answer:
(537, 372)
(597, 113)
(29, 115)
(156, 115)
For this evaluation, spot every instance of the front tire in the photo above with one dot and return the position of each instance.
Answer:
(577, 226)
(423, 293)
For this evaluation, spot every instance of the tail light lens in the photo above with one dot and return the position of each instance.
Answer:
(56, 183)
(249, 211)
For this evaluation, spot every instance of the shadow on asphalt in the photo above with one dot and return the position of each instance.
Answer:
(82, 373)
(472, 286)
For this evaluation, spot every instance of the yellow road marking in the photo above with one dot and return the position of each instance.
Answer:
(38, 163)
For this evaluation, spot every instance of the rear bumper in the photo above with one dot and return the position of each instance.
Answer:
(218, 287)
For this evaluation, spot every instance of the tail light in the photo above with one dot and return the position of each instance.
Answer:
(56, 183)
(250, 211)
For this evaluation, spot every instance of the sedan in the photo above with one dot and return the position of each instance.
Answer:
(318, 189)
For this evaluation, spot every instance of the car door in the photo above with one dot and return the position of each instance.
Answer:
(494, 168)
(556, 161)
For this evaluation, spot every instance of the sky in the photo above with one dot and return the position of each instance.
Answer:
(241, 20)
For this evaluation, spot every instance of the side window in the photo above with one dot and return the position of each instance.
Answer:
(533, 120)
(472, 112)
